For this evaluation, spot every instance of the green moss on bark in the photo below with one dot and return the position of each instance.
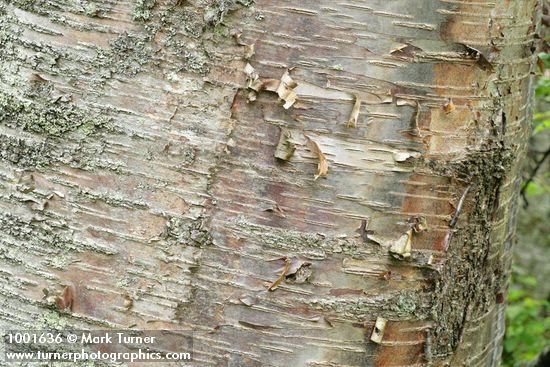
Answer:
(143, 10)
(471, 278)
(53, 118)
(186, 232)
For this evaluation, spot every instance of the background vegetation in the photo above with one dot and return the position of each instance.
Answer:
(528, 312)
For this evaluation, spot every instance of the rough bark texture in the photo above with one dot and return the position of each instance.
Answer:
(143, 166)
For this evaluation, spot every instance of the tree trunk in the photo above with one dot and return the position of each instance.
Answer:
(301, 183)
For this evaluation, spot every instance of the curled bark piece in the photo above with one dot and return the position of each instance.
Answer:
(404, 156)
(248, 51)
(322, 166)
(299, 271)
(352, 122)
(480, 58)
(284, 87)
(449, 106)
(253, 82)
(418, 223)
(250, 72)
(364, 231)
(285, 148)
(128, 302)
(378, 331)
(252, 77)
(402, 248)
(405, 50)
(275, 208)
(281, 277)
(248, 300)
(285, 91)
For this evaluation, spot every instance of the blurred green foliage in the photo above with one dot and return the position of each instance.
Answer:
(539, 185)
(541, 120)
(527, 322)
(528, 313)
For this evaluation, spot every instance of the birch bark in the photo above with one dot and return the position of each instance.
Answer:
(278, 176)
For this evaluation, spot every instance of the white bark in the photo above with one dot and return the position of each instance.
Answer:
(137, 166)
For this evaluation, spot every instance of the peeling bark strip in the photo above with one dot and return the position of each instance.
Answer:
(322, 166)
(352, 122)
(155, 155)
